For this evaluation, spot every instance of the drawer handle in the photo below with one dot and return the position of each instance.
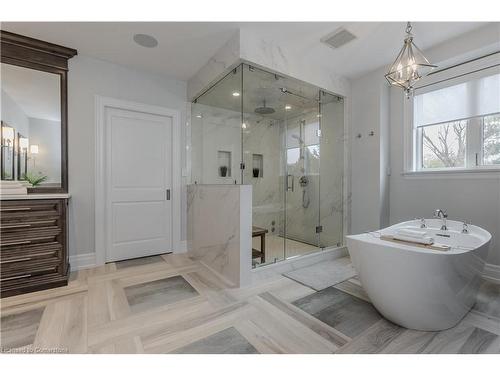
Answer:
(15, 209)
(16, 277)
(15, 226)
(27, 225)
(16, 243)
(15, 260)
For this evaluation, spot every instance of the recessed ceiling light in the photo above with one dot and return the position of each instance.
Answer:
(145, 40)
(243, 126)
(236, 93)
(198, 116)
(288, 107)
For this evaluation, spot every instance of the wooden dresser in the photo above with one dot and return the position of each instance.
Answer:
(34, 251)
(34, 158)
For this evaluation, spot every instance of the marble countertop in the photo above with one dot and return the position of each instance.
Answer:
(35, 196)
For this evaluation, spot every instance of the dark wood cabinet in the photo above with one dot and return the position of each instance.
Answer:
(33, 246)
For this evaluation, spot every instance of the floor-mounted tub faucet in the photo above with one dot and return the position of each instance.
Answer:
(440, 214)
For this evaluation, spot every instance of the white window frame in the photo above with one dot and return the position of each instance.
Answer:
(440, 79)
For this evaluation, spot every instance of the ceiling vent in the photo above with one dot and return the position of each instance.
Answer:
(338, 38)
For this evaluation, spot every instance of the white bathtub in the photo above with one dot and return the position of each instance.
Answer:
(417, 288)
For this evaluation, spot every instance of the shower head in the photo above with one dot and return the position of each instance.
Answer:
(264, 110)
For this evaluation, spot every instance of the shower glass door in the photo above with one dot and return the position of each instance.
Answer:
(302, 182)
(281, 152)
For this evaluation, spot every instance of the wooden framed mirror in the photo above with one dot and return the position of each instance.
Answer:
(34, 103)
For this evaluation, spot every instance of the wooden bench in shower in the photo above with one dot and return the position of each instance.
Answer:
(260, 232)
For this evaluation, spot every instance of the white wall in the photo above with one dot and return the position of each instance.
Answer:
(464, 197)
(14, 116)
(89, 77)
(47, 135)
(375, 107)
(369, 153)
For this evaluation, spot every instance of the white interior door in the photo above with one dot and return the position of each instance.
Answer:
(138, 171)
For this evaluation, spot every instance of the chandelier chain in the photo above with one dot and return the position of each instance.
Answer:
(408, 28)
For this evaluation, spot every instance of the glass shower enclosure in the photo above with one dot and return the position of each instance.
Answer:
(285, 138)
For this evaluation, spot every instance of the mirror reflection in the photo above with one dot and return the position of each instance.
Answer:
(31, 126)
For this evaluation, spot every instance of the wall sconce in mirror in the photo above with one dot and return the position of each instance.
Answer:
(23, 143)
(22, 156)
(7, 154)
(34, 152)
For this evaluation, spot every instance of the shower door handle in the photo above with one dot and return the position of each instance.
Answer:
(289, 186)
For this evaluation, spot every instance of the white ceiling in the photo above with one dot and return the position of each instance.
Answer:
(37, 93)
(184, 47)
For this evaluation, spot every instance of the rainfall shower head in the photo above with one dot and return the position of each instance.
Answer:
(264, 110)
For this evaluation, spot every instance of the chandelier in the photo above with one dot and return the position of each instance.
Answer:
(410, 65)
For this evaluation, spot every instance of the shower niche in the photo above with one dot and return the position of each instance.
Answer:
(224, 163)
(257, 165)
(286, 139)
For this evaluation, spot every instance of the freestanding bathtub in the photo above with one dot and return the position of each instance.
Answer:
(419, 288)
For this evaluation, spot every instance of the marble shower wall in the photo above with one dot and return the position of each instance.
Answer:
(321, 201)
(219, 219)
(263, 138)
(217, 130)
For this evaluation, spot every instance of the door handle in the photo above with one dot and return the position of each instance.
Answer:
(168, 194)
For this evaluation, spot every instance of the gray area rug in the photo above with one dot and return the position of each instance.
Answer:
(322, 275)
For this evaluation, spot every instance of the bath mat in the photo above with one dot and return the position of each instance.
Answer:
(324, 274)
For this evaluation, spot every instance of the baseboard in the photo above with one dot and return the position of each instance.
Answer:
(82, 261)
(182, 247)
(492, 273)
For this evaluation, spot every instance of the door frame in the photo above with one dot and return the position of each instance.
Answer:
(101, 227)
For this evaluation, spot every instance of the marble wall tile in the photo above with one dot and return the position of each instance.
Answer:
(263, 137)
(220, 230)
(217, 130)
(271, 55)
(224, 59)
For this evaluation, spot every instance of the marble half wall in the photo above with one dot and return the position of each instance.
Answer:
(219, 229)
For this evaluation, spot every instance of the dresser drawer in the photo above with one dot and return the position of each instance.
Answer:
(30, 236)
(23, 268)
(27, 210)
(16, 253)
(30, 283)
(21, 225)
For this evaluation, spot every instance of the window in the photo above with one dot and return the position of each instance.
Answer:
(457, 126)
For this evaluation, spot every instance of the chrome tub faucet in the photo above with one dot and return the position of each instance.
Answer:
(440, 214)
